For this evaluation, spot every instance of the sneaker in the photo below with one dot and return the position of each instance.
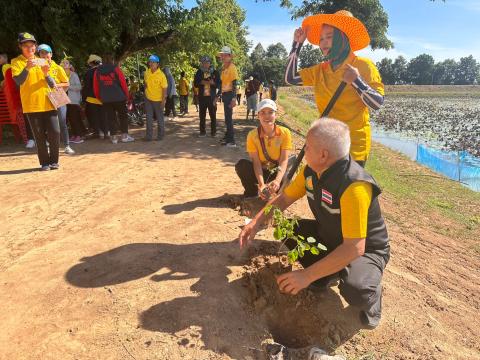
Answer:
(101, 134)
(223, 142)
(54, 166)
(76, 140)
(30, 144)
(114, 139)
(213, 135)
(45, 168)
(202, 135)
(127, 138)
(231, 145)
(69, 150)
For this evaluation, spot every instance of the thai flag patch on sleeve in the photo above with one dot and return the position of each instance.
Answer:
(326, 196)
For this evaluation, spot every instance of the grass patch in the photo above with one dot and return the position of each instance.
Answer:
(298, 111)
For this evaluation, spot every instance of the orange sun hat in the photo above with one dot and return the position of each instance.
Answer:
(343, 20)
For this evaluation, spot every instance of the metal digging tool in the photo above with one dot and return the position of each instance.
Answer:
(300, 155)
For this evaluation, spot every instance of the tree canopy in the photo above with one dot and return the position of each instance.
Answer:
(268, 64)
(422, 70)
(126, 27)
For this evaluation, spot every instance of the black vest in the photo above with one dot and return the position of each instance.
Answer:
(324, 195)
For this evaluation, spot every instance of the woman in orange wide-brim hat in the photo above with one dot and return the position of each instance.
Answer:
(338, 36)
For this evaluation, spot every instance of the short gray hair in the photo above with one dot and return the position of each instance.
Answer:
(334, 136)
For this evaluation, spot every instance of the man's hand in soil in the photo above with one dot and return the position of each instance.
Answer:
(293, 281)
(262, 194)
(248, 234)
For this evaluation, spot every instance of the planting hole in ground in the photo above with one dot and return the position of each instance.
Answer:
(310, 318)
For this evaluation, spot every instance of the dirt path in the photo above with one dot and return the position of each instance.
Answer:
(129, 252)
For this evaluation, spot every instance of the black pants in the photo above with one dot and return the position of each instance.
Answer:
(45, 127)
(170, 106)
(208, 102)
(360, 282)
(74, 118)
(116, 116)
(246, 173)
(184, 104)
(239, 98)
(29, 130)
(96, 118)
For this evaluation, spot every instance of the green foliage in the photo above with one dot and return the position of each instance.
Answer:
(309, 56)
(127, 27)
(422, 70)
(267, 65)
(284, 229)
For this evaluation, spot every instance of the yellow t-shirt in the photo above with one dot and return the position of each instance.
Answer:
(228, 76)
(281, 141)
(183, 87)
(354, 204)
(156, 84)
(34, 90)
(57, 73)
(349, 108)
(5, 67)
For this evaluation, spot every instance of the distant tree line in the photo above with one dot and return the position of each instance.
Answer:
(423, 70)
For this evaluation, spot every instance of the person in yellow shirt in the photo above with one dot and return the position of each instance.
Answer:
(61, 81)
(31, 74)
(155, 96)
(269, 147)
(343, 198)
(229, 79)
(338, 36)
(183, 92)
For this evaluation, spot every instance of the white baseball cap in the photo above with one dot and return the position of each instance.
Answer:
(226, 50)
(267, 103)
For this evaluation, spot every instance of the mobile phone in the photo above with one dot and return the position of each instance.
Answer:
(40, 62)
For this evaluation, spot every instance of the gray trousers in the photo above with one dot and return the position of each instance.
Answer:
(62, 120)
(360, 282)
(151, 108)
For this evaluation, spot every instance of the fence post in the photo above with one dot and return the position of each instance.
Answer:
(458, 165)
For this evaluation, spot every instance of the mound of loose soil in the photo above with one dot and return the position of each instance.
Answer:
(310, 318)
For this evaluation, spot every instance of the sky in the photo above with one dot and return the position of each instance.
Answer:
(449, 29)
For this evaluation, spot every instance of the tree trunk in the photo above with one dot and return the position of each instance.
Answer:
(129, 45)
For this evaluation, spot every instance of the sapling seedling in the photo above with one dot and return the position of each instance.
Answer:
(284, 229)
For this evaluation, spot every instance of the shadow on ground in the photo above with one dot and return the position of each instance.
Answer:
(222, 309)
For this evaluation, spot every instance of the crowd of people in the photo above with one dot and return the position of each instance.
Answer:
(341, 194)
(97, 106)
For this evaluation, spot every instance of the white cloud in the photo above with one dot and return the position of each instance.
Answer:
(406, 47)
(469, 5)
(379, 54)
(272, 34)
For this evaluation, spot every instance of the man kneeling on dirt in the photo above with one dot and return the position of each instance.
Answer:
(343, 197)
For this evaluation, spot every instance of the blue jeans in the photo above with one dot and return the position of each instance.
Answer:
(227, 98)
(62, 119)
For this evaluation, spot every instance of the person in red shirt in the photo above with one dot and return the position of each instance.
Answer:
(110, 87)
